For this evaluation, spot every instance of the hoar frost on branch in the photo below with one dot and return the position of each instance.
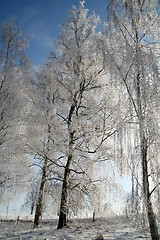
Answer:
(13, 71)
(79, 80)
(134, 62)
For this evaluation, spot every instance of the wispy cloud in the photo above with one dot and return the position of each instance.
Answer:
(35, 24)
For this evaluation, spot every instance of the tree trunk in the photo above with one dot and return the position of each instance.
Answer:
(144, 153)
(94, 215)
(63, 207)
(39, 205)
(147, 195)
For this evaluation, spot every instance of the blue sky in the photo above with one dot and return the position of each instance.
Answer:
(41, 19)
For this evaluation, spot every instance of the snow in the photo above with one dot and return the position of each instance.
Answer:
(118, 228)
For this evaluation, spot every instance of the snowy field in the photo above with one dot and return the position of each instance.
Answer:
(117, 229)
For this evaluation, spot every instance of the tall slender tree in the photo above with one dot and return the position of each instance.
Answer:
(133, 50)
(13, 65)
(41, 136)
(77, 73)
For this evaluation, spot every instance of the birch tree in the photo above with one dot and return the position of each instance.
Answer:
(42, 130)
(13, 72)
(77, 73)
(134, 54)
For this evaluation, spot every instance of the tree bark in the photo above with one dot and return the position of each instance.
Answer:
(147, 195)
(144, 162)
(39, 205)
(63, 207)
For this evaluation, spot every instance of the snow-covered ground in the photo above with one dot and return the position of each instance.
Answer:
(116, 228)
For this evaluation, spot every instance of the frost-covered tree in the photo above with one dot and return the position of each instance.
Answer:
(13, 73)
(77, 74)
(42, 130)
(133, 46)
